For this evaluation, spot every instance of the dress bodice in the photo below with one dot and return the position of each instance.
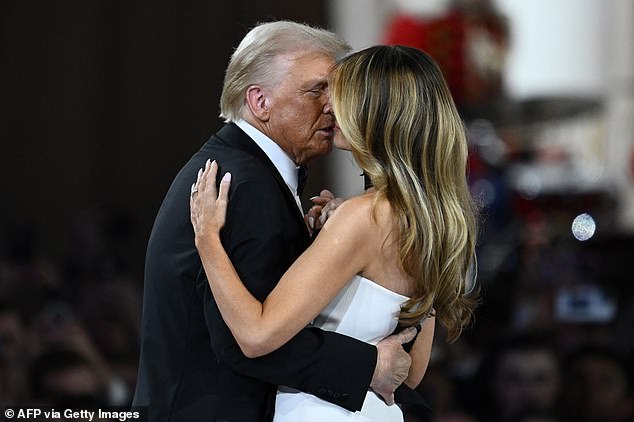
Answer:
(363, 309)
(368, 312)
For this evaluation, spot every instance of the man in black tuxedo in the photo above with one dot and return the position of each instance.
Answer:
(276, 104)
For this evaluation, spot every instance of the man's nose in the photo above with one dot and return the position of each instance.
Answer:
(328, 107)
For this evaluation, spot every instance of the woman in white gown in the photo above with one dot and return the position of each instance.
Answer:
(399, 254)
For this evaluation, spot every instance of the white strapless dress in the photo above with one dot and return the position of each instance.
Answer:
(366, 311)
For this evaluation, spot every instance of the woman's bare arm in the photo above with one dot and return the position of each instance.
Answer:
(336, 255)
(421, 353)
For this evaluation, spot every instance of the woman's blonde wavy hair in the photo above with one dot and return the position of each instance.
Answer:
(393, 106)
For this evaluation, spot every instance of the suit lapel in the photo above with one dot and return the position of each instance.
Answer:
(233, 135)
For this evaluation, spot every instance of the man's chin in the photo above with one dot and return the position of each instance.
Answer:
(328, 147)
(324, 148)
(326, 143)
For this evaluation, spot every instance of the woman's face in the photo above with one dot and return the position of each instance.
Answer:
(340, 141)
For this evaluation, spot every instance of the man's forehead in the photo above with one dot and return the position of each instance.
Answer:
(314, 58)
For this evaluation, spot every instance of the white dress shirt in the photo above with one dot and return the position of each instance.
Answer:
(282, 162)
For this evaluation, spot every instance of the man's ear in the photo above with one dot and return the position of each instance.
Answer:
(258, 102)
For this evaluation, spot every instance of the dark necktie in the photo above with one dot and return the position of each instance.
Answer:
(302, 175)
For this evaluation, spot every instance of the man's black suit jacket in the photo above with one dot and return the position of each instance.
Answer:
(191, 368)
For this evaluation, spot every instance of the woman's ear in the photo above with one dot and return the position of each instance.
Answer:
(258, 102)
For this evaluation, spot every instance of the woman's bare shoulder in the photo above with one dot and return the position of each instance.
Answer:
(363, 212)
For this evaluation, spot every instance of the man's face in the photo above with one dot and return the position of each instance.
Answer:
(301, 119)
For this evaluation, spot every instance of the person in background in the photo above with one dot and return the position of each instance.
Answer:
(597, 386)
(64, 377)
(519, 376)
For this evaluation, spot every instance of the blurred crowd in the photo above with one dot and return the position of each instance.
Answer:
(69, 328)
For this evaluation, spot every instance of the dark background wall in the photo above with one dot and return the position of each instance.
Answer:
(101, 102)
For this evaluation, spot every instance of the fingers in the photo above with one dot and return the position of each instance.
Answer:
(329, 209)
(319, 200)
(208, 204)
(389, 399)
(223, 200)
(312, 216)
(223, 194)
(209, 175)
(199, 190)
(323, 198)
(406, 335)
(326, 212)
(325, 206)
(327, 194)
(205, 175)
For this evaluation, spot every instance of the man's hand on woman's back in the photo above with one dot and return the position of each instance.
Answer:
(392, 364)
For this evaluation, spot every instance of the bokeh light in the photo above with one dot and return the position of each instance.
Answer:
(583, 227)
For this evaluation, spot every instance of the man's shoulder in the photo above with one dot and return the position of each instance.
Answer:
(234, 151)
(229, 141)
